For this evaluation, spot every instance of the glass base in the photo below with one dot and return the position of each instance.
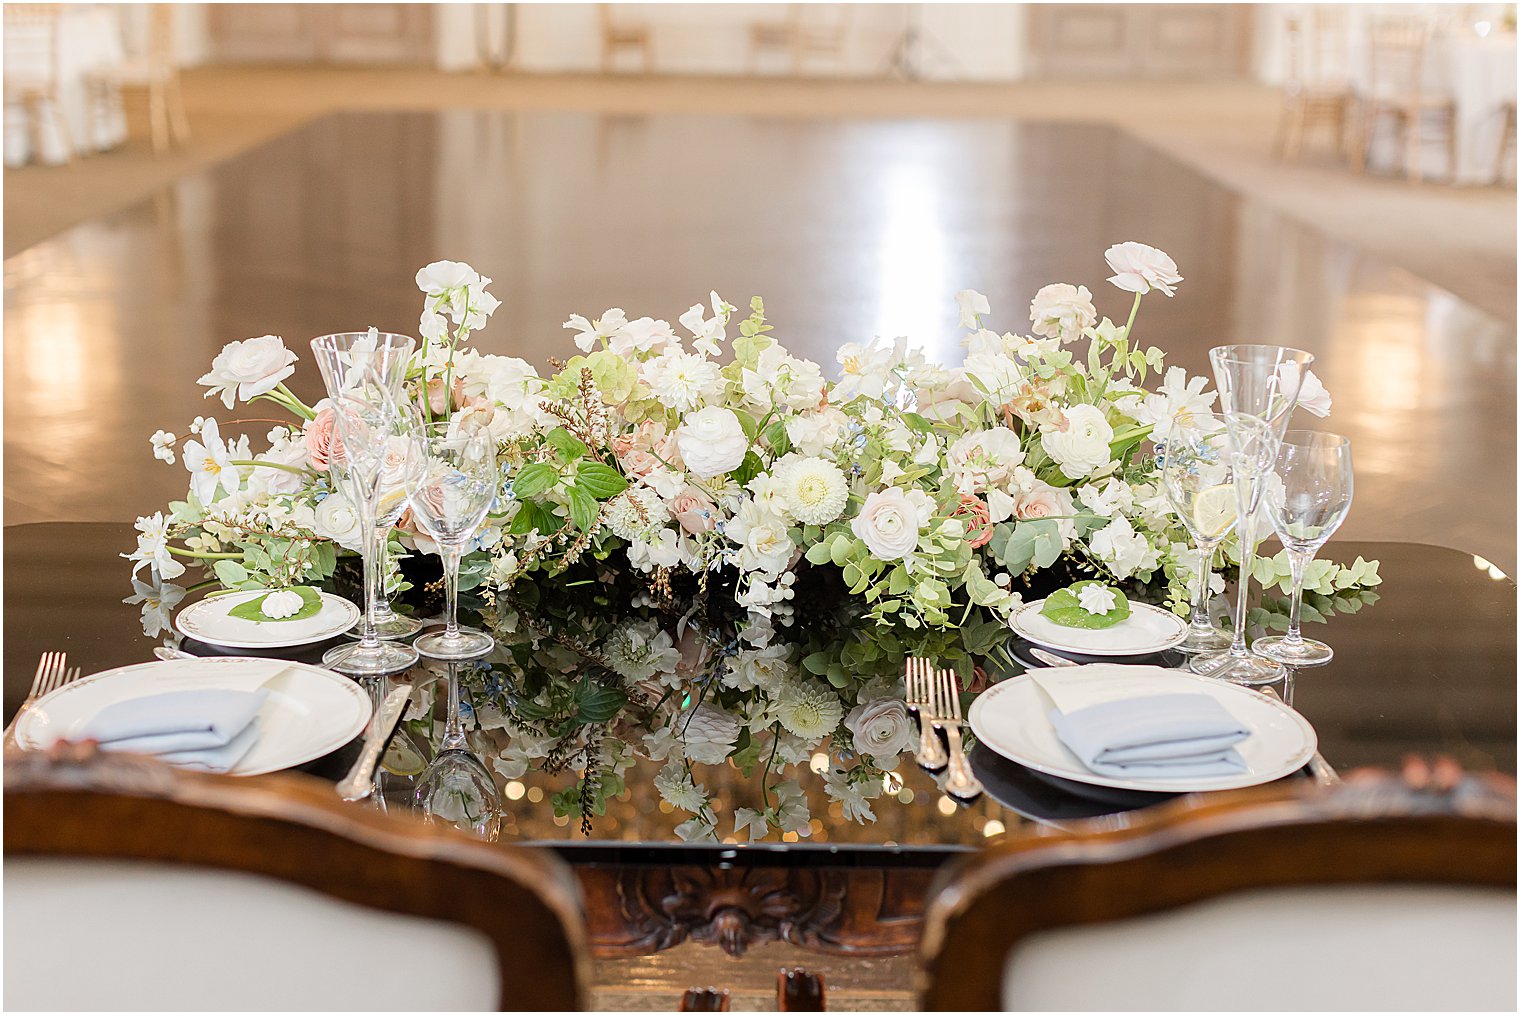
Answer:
(1204, 639)
(360, 660)
(1304, 652)
(1248, 669)
(467, 644)
(390, 626)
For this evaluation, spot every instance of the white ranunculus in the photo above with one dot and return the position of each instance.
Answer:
(881, 728)
(972, 305)
(708, 734)
(246, 369)
(890, 521)
(337, 519)
(442, 276)
(1312, 396)
(1139, 268)
(1124, 550)
(1062, 311)
(984, 458)
(712, 442)
(1080, 444)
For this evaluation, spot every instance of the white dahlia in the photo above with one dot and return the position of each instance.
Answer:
(815, 490)
(708, 733)
(635, 513)
(810, 711)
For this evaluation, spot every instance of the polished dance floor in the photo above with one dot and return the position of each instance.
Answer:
(848, 229)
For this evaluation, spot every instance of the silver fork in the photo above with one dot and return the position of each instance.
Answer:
(52, 673)
(959, 782)
(931, 755)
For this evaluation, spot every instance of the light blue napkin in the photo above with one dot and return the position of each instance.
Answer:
(1155, 736)
(211, 728)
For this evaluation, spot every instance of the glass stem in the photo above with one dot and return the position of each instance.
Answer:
(1200, 620)
(1245, 487)
(379, 606)
(453, 728)
(451, 557)
(367, 540)
(1298, 563)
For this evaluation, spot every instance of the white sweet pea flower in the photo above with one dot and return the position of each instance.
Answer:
(712, 442)
(1080, 444)
(641, 336)
(852, 795)
(815, 433)
(1114, 496)
(865, 370)
(163, 446)
(1139, 268)
(153, 548)
(1062, 311)
(1096, 599)
(972, 306)
(209, 461)
(1125, 551)
(247, 369)
(1312, 396)
(708, 334)
(443, 277)
(604, 329)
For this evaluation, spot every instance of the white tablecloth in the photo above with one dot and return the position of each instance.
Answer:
(89, 41)
(1479, 75)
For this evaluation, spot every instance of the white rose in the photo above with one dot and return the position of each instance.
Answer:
(984, 458)
(881, 729)
(1062, 311)
(889, 523)
(336, 519)
(1312, 396)
(1139, 268)
(712, 442)
(249, 368)
(1080, 444)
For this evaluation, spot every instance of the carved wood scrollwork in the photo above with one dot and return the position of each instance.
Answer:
(638, 910)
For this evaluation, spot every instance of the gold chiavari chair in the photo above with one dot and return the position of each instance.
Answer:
(1397, 91)
(618, 34)
(32, 70)
(157, 72)
(1318, 89)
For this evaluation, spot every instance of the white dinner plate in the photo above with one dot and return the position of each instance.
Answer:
(1148, 629)
(208, 621)
(310, 711)
(1011, 718)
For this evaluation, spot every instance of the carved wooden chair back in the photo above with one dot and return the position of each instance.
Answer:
(117, 865)
(1199, 905)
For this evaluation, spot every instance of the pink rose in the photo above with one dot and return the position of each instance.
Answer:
(323, 445)
(978, 521)
(638, 462)
(693, 509)
(437, 402)
(1042, 502)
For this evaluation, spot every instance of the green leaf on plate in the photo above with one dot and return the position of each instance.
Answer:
(311, 605)
(1064, 609)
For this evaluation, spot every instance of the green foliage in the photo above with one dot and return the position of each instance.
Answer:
(311, 605)
(1064, 608)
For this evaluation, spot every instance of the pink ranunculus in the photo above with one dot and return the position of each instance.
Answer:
(1041, 502)
(694, 510)
(324, 447)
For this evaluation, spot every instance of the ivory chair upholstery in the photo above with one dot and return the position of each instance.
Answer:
(131, 885)
(1372, 896)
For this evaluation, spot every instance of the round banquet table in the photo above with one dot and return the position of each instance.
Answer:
(89, 41)
(1428, 668)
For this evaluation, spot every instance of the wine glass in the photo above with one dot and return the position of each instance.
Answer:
(390, 505)
(1258, 388)
(365, 373)
(1306, 499)
(451, 490)
(1195, 473)
(456, 788)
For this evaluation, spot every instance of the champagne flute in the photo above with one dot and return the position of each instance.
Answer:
(1306, 499)
(451, 490)
(456, 788)
(365, 373)
(1195, 473)
(1258, 388)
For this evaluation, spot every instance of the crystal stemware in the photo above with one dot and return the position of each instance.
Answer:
(1306, 499)
(1195, 473)
(1258, 388)
(365, 373)
(456, 788)
(390, 506)
(451, 491)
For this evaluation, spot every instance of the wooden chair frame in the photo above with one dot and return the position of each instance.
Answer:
(1370, 831)
(295, 829)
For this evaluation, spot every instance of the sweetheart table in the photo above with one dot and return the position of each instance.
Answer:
(1428, 668)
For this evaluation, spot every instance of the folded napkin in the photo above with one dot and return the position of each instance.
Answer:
(209, 729)
(1154, 736)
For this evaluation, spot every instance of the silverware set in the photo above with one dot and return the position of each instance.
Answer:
(53, 672)
(933, 696)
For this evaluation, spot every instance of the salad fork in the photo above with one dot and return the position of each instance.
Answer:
(920, 701)
(52, 673)
(959, 782)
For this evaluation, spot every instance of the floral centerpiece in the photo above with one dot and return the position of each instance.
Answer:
(729, 483)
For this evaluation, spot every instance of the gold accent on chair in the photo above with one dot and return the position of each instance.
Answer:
(1395, 90)
(1317, 89)
(157, 72)
(623, 35)
(31, 70)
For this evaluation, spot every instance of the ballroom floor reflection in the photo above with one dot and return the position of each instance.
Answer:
(849, 229)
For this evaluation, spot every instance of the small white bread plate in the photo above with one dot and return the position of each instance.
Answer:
(310, 711)
(1148, 629)
(208, 621)
(1011, 718)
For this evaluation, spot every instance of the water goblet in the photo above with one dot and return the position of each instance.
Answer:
(451, 490)
(1258, 388)
(1306, 499)
(456, 788)
(1195, 473)
(365, 373)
